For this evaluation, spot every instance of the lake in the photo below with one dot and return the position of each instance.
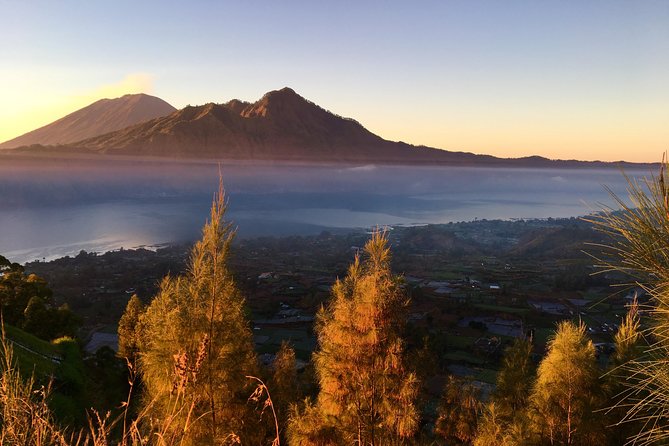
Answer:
(53, 208)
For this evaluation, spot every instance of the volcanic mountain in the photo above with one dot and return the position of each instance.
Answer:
(103, 116)
(282, 125)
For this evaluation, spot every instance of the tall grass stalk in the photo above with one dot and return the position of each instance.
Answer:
(25, 417)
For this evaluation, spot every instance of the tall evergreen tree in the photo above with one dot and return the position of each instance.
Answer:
(622, 369)
(129, 329)
(197, 346)
(567, 391)
(284, 380)
(628, 338)
(367, 395)
(505, 418)
(514, 380)
(458, 412)
(491, 429)
(495, 431)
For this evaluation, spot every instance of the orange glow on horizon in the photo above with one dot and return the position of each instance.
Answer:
(587, 132)
(34, 107)
(593, 134)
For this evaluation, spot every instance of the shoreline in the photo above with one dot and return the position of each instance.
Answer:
(155, 247)
(533, 162)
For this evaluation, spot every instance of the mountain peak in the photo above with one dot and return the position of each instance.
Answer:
(237, 106)
(285, 95)
(283, 92)
(102, 116)
(288, 90)
(137, 97)
(278, 103)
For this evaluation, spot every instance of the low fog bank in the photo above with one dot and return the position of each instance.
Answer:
(60, 206)
(33, 182)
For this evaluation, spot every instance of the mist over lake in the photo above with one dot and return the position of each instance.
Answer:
(58, 207)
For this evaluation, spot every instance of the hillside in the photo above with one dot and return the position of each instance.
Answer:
(103, 116)
(281, 126)
(557, 242)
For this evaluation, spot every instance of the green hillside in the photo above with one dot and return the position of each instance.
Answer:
(58, 362)
(33, 355)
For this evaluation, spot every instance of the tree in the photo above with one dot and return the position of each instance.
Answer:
(197, 347)
(284, 381)
(129, 329)
(567, 391)
(495, 431)
(505, 417)
(66, 322)
(628, 338)
(309, 426)
(367, 395)
(622, 370)
(491, 430)
(16, 290)
(27, 302)
(639, 231)
(49, 323)
(458, 412)
(514, 380)
(36, 318)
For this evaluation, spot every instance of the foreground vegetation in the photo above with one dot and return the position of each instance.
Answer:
(194, 376)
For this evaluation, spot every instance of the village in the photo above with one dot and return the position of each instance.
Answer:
(473, 287)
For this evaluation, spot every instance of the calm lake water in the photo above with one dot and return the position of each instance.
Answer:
(57, 208)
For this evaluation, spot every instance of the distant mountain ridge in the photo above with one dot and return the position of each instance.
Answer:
(281, 126)
(103, 116)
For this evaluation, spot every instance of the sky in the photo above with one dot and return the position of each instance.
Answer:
(562, 79)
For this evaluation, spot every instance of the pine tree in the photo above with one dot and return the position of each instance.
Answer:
(514, 380)
(628, 337)
(197, 347)
(309, 426)
(505, 417)
(284, 381)
(491, 429)
(367, 395)
(639, 231)
(285, 372)
(495, 431)
(458, 412)
(129, 330)
(622, 369)
(567, 391)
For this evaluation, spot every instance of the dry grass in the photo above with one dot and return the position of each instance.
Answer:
(24, 415)
(262, 396)
(25, 418)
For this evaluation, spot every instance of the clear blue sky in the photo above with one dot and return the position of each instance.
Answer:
(563, 79)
